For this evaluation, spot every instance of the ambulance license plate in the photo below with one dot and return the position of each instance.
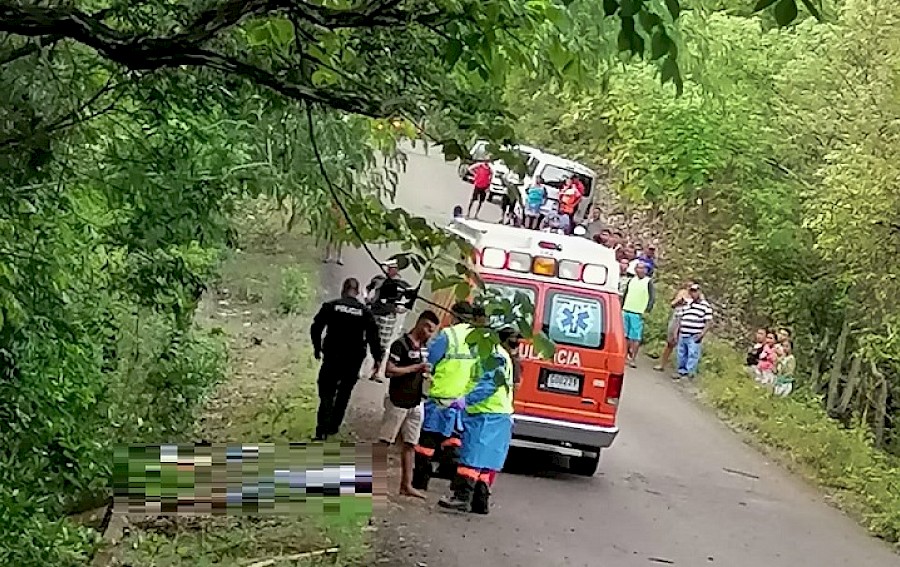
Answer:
(561, 382)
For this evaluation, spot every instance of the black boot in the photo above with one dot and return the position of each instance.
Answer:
(422, 472)
(481, 498)
(461, 497)
(447, 463)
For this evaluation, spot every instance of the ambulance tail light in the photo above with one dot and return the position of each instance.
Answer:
(594, 274)
(494, 258)
(569, 270)
(519, 262)
(614, 388)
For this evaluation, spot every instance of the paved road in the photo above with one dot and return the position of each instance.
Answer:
(677, 487)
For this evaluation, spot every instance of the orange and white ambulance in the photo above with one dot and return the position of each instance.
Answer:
(566, 404)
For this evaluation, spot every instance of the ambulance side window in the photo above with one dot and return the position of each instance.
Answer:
(574, 320)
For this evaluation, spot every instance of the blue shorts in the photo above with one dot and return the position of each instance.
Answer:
(634, 326)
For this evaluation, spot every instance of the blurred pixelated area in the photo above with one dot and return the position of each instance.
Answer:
(343, 479)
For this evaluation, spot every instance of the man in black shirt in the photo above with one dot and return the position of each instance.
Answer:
(408, 369)
(349, 327)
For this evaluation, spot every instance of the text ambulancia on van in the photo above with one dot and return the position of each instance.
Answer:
(566, 404)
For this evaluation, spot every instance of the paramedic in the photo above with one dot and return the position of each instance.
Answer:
(452, 361)
(487, 427)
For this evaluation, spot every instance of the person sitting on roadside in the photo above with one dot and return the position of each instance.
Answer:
(535, 197)
(765, 368)
(754, 351)
(784, 335)
(784, 369)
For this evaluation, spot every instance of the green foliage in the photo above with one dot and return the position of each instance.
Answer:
(296, 290)
(772, 178)
(801, 432)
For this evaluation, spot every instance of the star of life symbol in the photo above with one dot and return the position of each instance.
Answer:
(574, 319)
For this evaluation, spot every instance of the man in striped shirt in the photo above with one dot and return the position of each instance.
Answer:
(696, 319)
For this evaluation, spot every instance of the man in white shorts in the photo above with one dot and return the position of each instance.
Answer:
(407, 368)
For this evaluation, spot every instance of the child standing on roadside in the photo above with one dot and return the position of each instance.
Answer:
(765, 368)
(784, 369)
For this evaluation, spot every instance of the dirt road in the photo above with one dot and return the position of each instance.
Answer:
(677, 487)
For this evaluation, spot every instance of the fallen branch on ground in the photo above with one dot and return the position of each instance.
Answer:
(304, 555)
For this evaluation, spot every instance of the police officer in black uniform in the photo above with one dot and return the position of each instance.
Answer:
(349, 327)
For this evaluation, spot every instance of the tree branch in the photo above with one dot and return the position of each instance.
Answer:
(136, 51)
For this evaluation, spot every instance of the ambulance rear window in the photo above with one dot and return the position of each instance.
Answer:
(517, 295)
(573, 319)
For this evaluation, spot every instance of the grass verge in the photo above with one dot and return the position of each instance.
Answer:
(797, 432)
(263, 304)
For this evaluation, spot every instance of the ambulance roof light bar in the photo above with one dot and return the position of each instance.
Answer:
(522, 262)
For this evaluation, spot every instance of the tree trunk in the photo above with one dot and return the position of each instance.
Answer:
(820, 354)
(881, 400)
(837, 365)
(853, 379)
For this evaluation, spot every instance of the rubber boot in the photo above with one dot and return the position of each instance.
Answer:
(447, 463)
(422, 472)
(481, 498)
(461, 497)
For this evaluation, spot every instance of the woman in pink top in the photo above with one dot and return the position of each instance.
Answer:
(765, 368)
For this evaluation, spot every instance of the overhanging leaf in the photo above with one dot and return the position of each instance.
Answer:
(763, 4)
(785, 12)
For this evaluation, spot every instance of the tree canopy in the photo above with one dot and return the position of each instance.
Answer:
(131, 130)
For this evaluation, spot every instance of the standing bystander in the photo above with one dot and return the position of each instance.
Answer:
(407, 368)
(637, 302)
(696, 320)
(682, 296)
(482, 174)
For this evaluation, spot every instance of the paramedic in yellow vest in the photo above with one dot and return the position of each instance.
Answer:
(452, 360)
(637, 302)
(487, 427)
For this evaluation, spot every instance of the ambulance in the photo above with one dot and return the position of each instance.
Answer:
(567, 403)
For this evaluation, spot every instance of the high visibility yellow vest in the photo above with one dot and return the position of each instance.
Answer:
(637, 295)
(451, 375)
(500, 401)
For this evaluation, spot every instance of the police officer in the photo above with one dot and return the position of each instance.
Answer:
(453, 361)
(349, 327)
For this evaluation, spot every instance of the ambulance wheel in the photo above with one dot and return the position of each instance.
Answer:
(481, 499)
(584, 466)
